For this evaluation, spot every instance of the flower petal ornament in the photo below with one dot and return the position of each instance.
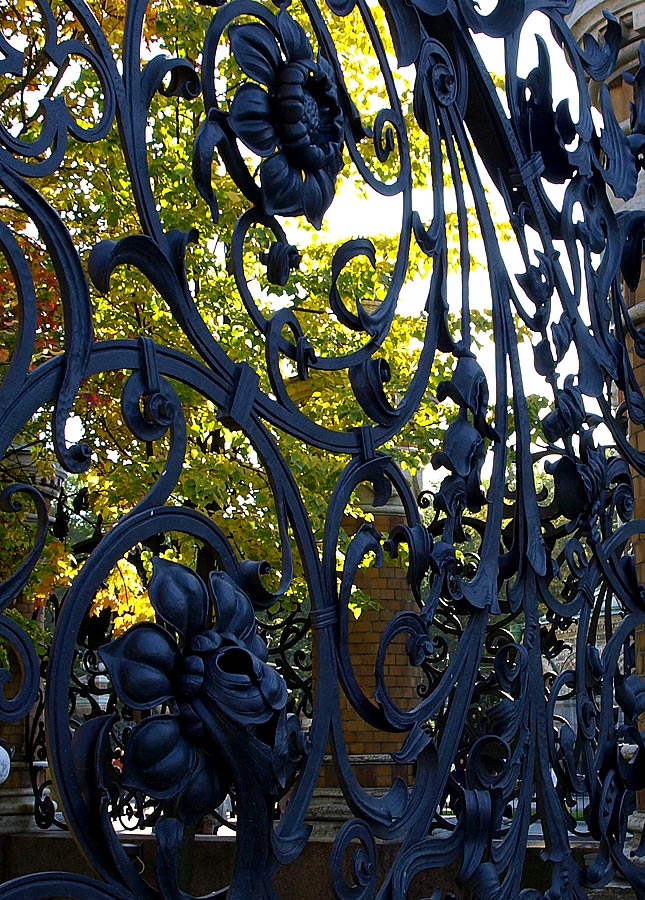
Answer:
(293, 121)
(222, 667)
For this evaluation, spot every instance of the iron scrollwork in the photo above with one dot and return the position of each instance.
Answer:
(526, 542)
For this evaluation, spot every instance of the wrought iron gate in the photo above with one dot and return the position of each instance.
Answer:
(527, 532)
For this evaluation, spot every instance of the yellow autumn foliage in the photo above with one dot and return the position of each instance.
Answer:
(124, 593)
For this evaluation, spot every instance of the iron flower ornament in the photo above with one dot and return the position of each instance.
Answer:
(221, 669)
(291, 118)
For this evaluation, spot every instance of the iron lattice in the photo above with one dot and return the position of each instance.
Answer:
(503, 563)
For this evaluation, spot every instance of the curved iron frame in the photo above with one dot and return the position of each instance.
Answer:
(485, 737)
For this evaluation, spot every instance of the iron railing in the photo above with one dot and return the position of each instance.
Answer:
(528, 529)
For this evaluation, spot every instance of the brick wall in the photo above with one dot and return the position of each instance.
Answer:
(371, 748)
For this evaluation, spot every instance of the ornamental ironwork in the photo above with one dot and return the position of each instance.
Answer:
(519, 640)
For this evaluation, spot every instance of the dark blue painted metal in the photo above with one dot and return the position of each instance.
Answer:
(484, 737)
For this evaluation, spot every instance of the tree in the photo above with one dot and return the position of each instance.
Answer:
(221, 473)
